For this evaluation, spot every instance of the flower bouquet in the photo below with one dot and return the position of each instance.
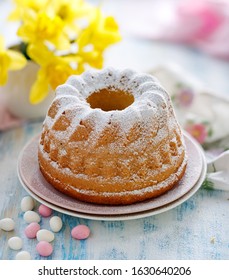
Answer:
(61, 38)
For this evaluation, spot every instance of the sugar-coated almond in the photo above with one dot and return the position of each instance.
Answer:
(7, 224)
(44, 248)
(15, 243)
(27, 203)
(44, 210)
(80, 232)
(31, 216)
(23, 255)
(45, 235)
(55, 223)
(32, 229)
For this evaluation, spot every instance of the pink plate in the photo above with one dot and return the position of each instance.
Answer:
(34, 182)
(124, 217)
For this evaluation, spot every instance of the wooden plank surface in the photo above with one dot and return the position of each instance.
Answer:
(197, 229)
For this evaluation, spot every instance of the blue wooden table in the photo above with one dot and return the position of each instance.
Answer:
(196, 229)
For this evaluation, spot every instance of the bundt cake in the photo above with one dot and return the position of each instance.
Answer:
(111, 137)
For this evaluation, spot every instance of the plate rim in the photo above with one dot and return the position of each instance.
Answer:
(126, 217)
(190, 138)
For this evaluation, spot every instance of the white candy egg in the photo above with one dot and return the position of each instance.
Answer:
(27, 203)
(31, 216)
(45, 235)
(55, 223)
(15, 243)
(23, 255)
(7, 224)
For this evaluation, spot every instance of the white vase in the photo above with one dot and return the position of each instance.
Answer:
(16, 93)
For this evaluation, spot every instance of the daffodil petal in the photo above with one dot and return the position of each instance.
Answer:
(3, 76)
(1, 43)
(17, 60)
(61, 42)
(14, 15)
(40, 88)
(40, 53)
(25, 32)
(4, 67)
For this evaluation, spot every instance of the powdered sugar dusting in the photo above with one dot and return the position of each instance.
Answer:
(150, 189)
(110, 139)
(32, 178)
(143, 87)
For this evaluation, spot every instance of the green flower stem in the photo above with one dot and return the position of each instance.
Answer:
(23, 49)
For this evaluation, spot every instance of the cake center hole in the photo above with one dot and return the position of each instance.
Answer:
(109, 100)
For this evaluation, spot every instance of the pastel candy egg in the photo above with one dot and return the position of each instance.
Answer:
(44, 248)
(23, 255)
(45, 235)
(15, 243)
(27, 203)
(32, 229)
(80, 232)
(31, 216)
(7, 224)
(44, 210)
(55, 223)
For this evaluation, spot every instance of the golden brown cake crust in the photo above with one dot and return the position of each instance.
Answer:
(112, 156)
(100, 198)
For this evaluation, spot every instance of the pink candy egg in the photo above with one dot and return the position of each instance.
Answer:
(32, 229)
(80, 232)
(44, 248)
(44, 210)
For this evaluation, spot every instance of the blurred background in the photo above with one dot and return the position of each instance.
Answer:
(160, 37)
(193, 34)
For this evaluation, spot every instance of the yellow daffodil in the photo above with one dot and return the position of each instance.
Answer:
(9, 60)
(54, 70)
(63, 37)
(93, 57)
(69, 11)
(41, 27)
(22, 7)
(101, 32)
(93, 40)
